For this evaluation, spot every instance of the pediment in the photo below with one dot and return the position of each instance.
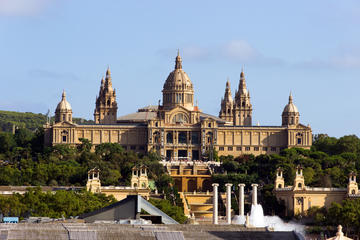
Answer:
(179, 109)
(64, 124)
(301, 126)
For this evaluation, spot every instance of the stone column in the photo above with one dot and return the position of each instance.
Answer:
(254, 193)
(241, 199)
(215, 203)
(228, 203)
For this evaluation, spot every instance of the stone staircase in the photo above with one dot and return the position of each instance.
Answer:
(200, 204)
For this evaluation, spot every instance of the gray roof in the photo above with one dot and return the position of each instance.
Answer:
(205, 115)
(128, 208)
(150, 112)
(142, 115)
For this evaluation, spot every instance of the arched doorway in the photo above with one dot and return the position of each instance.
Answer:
(206, 185)
(178, 185)
(191, 185)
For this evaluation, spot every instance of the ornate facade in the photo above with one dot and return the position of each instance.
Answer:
(298, 198)
(178, 129)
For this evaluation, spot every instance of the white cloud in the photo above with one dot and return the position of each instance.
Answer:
(240, 50)
(22, 7)
(345, 61)
(234, 51)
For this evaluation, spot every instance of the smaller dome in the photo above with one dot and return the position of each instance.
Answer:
(290, 107)
(63, 104)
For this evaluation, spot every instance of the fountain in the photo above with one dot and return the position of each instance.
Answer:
(256, 217)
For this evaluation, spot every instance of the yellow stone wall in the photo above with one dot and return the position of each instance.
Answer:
(121, 193)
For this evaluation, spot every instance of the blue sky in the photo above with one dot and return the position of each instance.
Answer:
(311, 48)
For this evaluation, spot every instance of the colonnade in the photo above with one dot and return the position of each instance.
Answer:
(228, 200)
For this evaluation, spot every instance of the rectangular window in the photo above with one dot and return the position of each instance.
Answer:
(265, 149)
(230, 148)
(195, 137)
(247, 148)
(133, 147)
(256, 148)
(238, 148)
(182, 137)
(221, 148)
(64, 138)
(142, 147)
(273, 149)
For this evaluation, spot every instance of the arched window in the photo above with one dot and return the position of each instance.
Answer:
(279, 186)
(353, 191)
(299, 185)
(108, 102)
(228, 111)
(180, 118)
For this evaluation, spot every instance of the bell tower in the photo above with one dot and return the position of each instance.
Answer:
(352, 185)
(299, 182)
(93, 183)
(242, 106)
(227, 103)
(106, 105)
(279, 181)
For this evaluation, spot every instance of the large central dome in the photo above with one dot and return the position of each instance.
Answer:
(178, 89)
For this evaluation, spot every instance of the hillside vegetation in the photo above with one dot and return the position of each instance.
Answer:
(27, 120)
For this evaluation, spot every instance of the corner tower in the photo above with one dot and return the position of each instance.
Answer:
(290, 115)
(242, 106)
(106, 105)
(63, 112)
(178, 88)
(227, 103)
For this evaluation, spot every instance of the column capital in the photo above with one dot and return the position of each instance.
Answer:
(228, 185)
(254, 185)
(215, 184)
(241, 184)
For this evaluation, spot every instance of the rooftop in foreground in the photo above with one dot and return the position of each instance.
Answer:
(144, 232)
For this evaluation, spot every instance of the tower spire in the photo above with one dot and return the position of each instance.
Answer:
(226, 111)
(242, 83)
(242, 105)
(178, 61)
(108, 83)
(290, 98)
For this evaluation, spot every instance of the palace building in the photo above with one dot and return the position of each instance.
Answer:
(299, 198)
(177, 128)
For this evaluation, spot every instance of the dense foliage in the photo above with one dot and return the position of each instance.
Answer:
(347, 213)
(55, 205)
(30, 121)
(327, 164)
(175, 212)
(24, 161)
